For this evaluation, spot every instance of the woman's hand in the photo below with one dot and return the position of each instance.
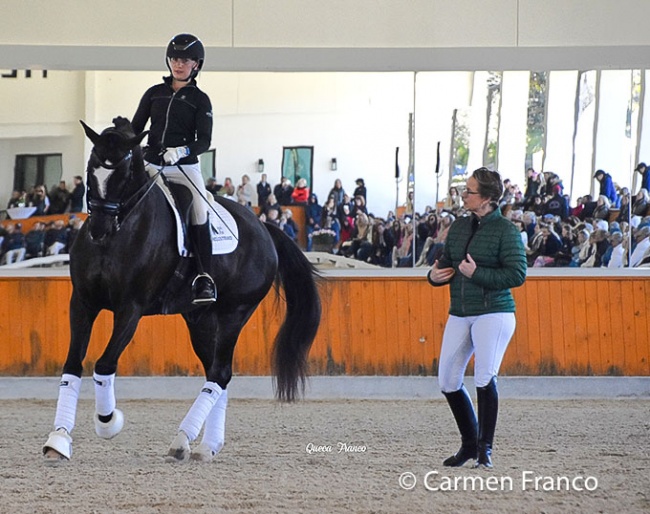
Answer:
(440, 275)
(467, 267)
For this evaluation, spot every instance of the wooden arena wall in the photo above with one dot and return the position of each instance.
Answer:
(370, 326)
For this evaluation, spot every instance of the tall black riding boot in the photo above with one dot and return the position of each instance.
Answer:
(463, 411)
(203, 288)
(488, 408)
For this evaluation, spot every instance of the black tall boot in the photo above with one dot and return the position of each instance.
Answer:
(488, 408)
(203, 288)
(463, 411)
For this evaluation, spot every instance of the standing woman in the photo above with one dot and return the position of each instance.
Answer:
(181, 130)
(483, 258)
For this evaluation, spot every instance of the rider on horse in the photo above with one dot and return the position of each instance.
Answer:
(181, 129)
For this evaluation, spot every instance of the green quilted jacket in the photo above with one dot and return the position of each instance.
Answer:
(495, 245)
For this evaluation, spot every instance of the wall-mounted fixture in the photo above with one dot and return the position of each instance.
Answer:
(260, 165)
(333, 164)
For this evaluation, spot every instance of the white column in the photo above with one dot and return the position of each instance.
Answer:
(613, 148)
(478, 121)
(438, 94)
(512, 133)
(560, 123)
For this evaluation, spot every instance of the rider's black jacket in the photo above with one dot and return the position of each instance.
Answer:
(181, 118)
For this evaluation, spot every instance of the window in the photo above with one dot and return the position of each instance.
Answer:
(297, 163)
(208, 161)
(31, 170)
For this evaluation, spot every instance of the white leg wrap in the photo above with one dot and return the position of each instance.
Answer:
(66, 406)
(198, 413)
(104, 394)
(215, 425)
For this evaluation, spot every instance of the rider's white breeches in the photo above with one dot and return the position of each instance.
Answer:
(485, 336)
(193, 180)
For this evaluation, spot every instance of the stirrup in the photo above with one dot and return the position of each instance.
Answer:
(210, 297)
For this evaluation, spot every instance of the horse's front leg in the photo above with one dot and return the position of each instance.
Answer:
(59, 443)
(109, 420)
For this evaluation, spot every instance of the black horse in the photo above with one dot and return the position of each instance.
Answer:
(125, 259)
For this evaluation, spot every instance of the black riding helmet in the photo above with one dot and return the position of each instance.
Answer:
(186, 46)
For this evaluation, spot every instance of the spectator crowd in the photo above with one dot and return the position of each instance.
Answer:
(610, 230)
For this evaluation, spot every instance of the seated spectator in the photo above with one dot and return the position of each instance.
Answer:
(557, 205)
(272, 216)
(581, 251)
(74, 225)
(56, 238)
(271, 203)
(300, 194)
(35, 241)
(616, 256)
(328, 213)
(588, 207)
(642, 240)
(624, 206)
(453, 202)
(382, 245)
(212, 186)
(359, 205)
(313, 217)
(227, 190)
(569, 240)
(59, 199)
(599, 240)
(549, 245)
(640, 203)
(433, 247)
(361, 236)
(286, 220)
(13, 244)
(530, 222)
(602, 208)
(403, 251)
(537, 206)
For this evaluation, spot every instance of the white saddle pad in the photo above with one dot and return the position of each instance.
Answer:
(224, 231)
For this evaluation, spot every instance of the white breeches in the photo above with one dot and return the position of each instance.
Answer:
(199, 213)
(485, 336)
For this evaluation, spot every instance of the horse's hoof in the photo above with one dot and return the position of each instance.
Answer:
(58, 446)
(112, 428)
(179, 451)
(203, 453)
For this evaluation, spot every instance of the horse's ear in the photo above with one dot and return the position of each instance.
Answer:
(90, 133)
(135, 141)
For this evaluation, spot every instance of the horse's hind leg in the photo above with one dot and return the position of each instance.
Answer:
(59, 443)
(213, 338)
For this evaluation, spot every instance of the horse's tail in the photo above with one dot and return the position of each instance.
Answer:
(298, 278)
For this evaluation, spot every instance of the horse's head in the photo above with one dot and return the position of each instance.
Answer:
(115, 156)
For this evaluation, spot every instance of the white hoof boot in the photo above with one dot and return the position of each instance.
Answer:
(58, 446)
(112, 428)
(203, 453)
(179, 451)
